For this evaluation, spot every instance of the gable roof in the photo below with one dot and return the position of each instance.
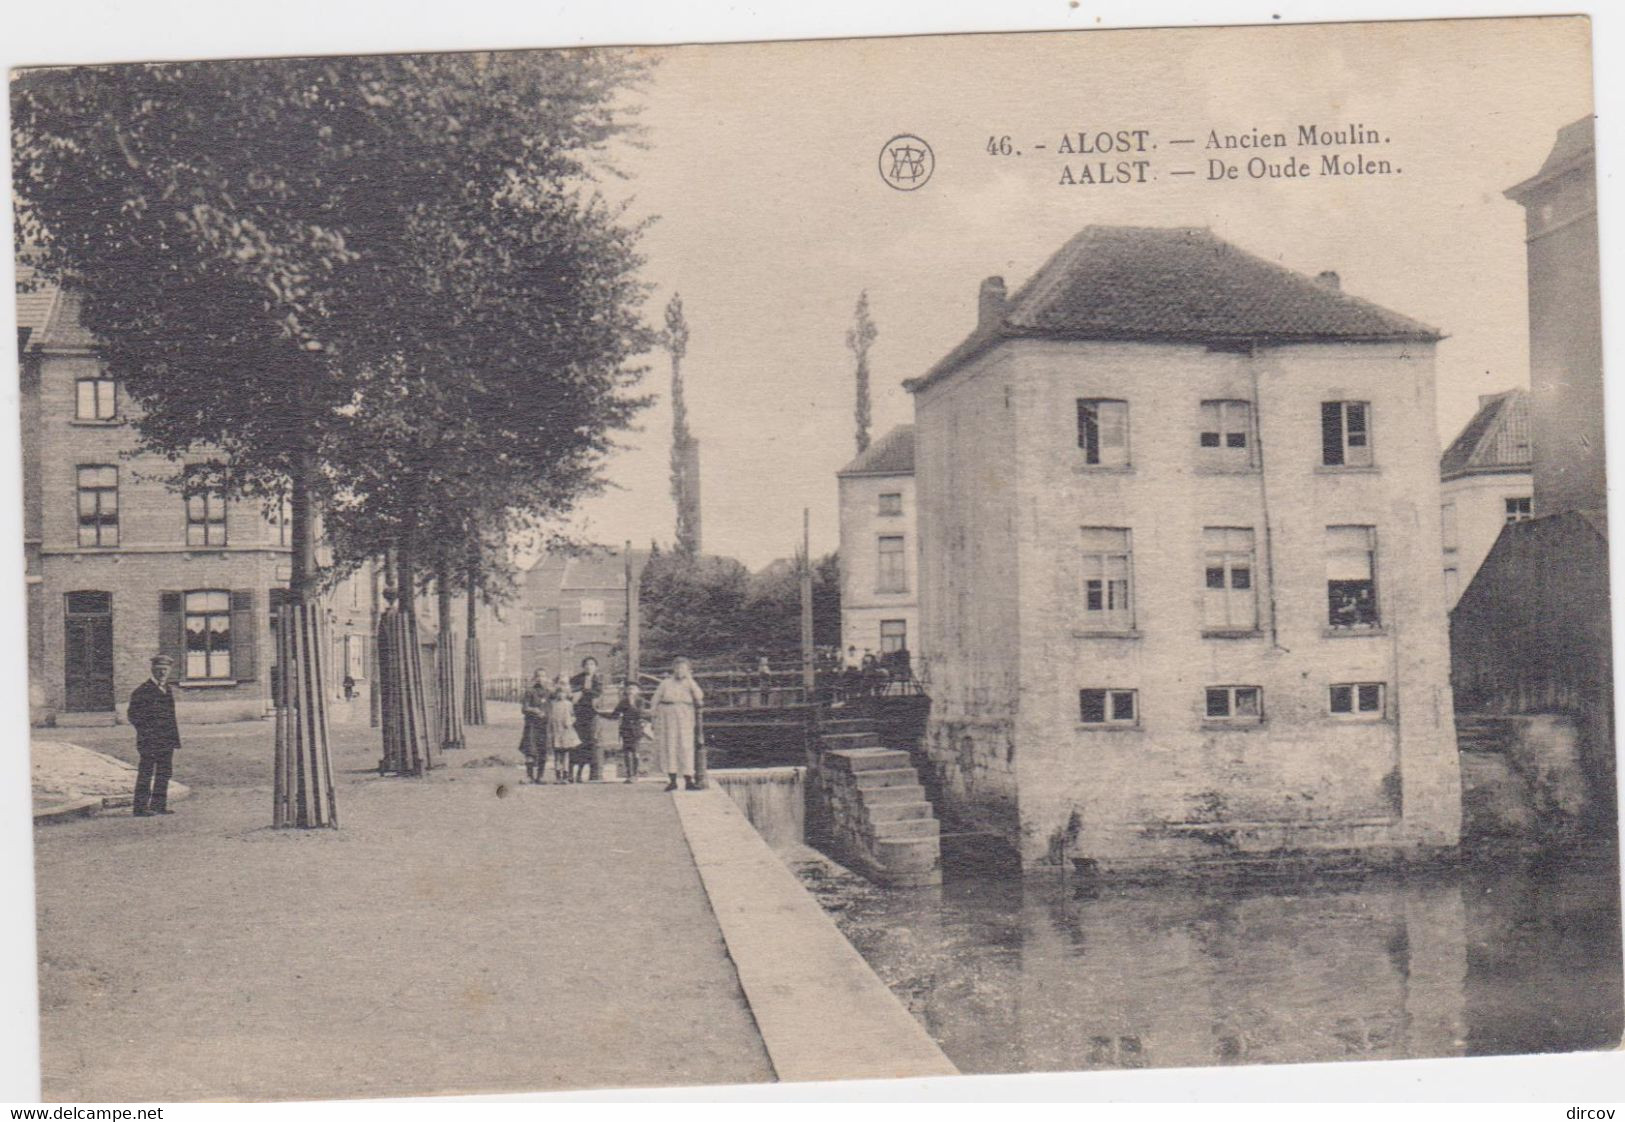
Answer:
(1177, 284)
(1495, 440)
(892, 454)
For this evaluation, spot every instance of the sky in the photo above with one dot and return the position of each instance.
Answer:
(772, 216)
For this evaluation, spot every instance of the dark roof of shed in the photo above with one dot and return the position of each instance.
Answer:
(1179, 284)
(892, 454)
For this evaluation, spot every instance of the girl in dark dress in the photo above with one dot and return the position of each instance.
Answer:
(533, 742)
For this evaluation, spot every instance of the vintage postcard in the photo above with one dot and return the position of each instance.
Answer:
(645, 566)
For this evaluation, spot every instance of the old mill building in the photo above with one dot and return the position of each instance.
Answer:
(1179, 562)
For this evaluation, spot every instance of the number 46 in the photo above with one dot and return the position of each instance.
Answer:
(999, 146)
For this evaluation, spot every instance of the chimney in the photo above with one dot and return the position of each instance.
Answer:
(1329, 279)
(990, 304)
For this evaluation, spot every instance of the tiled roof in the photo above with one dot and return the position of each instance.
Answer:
(892, 454)
(1575, 143)
(1496, 439)
(593, 568)
(35, 300)
(1161, 284)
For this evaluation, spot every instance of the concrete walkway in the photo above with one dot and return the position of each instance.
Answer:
(822, 1012)
(461, 933)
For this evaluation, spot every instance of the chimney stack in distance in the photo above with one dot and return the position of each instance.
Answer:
(990, 305)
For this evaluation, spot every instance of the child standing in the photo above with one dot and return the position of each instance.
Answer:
(633, 729)
(561, 730)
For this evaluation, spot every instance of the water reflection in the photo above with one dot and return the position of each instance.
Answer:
(1035, 975)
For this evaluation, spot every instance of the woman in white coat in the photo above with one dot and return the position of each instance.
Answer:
(676, 703)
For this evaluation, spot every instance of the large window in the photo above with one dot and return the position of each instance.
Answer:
(891, 503)
(208, 635)
(1345, 433)
(205, 509)
(1235, 704)
(1226, 434)
(1230, 596)
(96, 399)
(893, 636)
(279, 515)
(1358, 699)
(1351, 583)
(1108, 578)
(892, 573)
(1103, 431)
(1519, 509)
(98, 504)
(1108, 707)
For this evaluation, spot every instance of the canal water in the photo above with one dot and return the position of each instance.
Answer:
(1042, 974)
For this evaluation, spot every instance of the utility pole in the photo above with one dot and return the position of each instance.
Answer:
(632, 652)
(808, 671)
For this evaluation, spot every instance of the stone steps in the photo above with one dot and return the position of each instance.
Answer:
(880, 819)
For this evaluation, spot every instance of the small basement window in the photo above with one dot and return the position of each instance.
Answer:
(1108, 707)
(1358, 699)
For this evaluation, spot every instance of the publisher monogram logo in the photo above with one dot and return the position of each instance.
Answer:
(906, 162)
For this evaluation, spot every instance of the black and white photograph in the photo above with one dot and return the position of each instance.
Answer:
(899, 558)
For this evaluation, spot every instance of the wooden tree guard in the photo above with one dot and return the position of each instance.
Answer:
(449, 720)
(402, 708)
(302, 783)
(473, 678)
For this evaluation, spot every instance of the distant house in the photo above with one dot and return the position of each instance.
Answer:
(569, 606)
(879, 547)
(1487, 482)
(1179, 562)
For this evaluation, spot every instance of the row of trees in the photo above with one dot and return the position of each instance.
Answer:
(713, 608)
(386, 288)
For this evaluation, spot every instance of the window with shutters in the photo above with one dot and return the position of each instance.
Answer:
(1358, 700)
(1230, 592)
(95, 399)
(1103, 431)
(205, 508)
(98, 504)
(1351, 583)
(208, 635)
(1345, 433)
(1225, 435)
(1108, 579)
(1108, 707)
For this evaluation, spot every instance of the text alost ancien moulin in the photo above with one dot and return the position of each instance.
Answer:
(1340, 161)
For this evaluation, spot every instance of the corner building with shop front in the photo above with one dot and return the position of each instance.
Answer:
(1179, 579)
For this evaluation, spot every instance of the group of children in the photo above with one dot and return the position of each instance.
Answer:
(552, 732)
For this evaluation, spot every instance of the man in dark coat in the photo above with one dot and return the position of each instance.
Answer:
(152, 714)
(585, 689)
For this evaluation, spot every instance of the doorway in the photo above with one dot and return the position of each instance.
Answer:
(88, 660)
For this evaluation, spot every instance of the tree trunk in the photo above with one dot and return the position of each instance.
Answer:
(403, 718)
(473, 678)
(302, 774)
(450, 725)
